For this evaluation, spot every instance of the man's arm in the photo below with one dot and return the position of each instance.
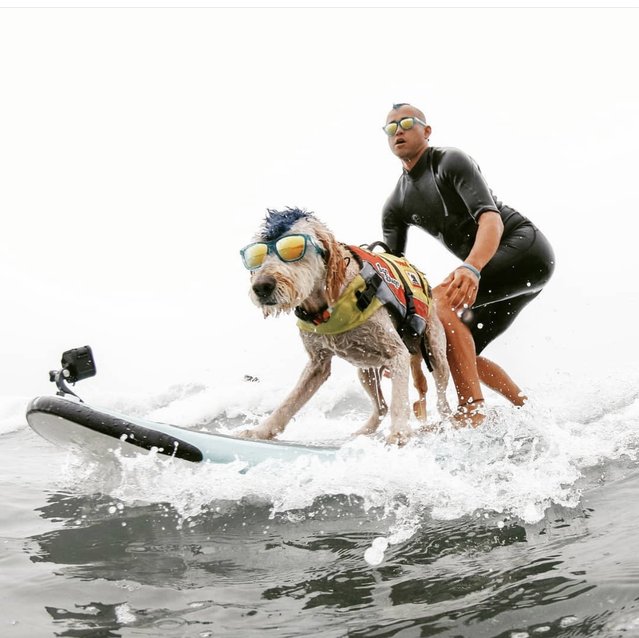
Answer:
(462, 283)
(395, 231)
(461, 172)
(489, 233)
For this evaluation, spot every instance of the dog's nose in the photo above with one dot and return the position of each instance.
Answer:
(264, 287)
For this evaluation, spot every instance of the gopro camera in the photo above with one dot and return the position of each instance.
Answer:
(77, 364)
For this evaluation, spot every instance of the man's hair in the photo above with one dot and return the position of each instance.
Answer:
(420, 114)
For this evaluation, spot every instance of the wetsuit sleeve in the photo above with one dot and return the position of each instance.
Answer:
(463, 175)
(394, 228)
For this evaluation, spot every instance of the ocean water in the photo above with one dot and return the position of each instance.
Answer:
(524, 527)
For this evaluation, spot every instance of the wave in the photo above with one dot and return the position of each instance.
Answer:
(516, 467)
(12, 411)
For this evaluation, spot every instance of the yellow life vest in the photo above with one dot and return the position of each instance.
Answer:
(384, 280)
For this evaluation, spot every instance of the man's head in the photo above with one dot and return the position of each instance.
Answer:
(406, 141)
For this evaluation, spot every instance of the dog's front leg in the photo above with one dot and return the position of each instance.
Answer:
(400, 410)
(317, 370)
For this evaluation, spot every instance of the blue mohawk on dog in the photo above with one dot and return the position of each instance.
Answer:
(277, 222)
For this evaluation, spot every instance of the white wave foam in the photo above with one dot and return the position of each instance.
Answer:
(12, 413)
(517, 465)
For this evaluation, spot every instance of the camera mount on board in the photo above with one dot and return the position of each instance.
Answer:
(77, 364)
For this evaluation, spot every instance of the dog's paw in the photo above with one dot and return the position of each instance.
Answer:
(399, 438)
(256, 434)
(366, 430)
(431, 428)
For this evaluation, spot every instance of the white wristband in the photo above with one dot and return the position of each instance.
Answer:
(472, 269)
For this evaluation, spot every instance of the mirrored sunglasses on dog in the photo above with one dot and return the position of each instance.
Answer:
(288, 248)
(406, 123)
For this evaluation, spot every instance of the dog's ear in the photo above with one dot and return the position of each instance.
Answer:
(335, 264)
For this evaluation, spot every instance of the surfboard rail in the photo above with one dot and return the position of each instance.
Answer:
(69, 423)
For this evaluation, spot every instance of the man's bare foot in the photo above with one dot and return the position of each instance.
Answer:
(469, 415)
(419, 410)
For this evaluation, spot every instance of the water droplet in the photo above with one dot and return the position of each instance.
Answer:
(374, 555)
(568, 621)
(169, 623)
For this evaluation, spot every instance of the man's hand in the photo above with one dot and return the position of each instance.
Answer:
(461, 288)
(462, 284)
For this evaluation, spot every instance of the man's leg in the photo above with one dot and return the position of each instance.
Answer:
(486, 324)
(462, 361)
(497, 379)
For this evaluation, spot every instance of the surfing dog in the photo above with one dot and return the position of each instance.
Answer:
(297, 264)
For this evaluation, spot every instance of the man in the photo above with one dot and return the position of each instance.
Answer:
(505, 260)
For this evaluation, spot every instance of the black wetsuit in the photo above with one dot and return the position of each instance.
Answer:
(445, 193)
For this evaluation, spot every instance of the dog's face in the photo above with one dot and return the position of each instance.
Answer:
(279, 286)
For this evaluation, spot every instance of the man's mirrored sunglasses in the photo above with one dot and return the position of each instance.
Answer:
(406, 123)
(288, 248)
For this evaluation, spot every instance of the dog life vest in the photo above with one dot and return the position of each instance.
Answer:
(384, 280)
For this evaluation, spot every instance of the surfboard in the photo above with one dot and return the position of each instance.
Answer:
(70, 423)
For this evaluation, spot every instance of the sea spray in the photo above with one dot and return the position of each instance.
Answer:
(517, 465)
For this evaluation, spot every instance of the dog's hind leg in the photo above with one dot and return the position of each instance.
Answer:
(317, 370)
(421, 385)
(370, 379)
(399, 367)
(436, 344)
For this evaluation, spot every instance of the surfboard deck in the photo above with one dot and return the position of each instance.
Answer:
(71, 424)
